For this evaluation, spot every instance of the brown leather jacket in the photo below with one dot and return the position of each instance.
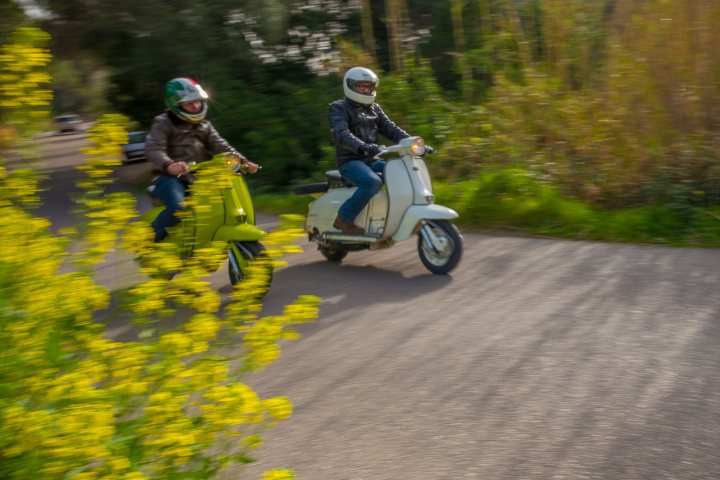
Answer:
(171, 139)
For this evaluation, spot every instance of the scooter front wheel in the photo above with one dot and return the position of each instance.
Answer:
(241, 255)
(440, 261)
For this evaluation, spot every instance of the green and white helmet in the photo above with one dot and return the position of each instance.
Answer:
(179, 91)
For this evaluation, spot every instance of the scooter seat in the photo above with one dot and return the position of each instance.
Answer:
(150, 190)
(335, 180)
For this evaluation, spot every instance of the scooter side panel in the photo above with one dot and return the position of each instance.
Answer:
(178, 233)
(415, 213)
(322, 212)
(242, 232)
(203, 225)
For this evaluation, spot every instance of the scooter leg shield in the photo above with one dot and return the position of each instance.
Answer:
(420, 212)
(242, 232)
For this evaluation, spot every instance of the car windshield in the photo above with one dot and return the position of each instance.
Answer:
(70, 118)
(136, 137)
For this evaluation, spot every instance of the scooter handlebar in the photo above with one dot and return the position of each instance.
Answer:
(407, 145)
(193, 167)
(393, 149)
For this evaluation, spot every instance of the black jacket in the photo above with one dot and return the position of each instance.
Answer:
(352, 125)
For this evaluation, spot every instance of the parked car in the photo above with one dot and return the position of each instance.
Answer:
(134, 149)
(68, 123)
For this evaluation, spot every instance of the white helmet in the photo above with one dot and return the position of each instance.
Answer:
(360, 74)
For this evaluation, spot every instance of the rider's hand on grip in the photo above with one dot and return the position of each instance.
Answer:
(249, 167)
(177, 168)
(370, 150)
(429, 150)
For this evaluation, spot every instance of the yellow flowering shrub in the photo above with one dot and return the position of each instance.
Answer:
(25, 93)
(76, 404)
(278, 475)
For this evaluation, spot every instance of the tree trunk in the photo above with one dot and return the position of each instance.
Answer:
(456, 12)
(367, 29)
(517, 31)
(486, 23)
(393, 11)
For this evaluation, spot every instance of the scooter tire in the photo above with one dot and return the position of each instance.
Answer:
(445, 263)
(333, 254)
(249, 252)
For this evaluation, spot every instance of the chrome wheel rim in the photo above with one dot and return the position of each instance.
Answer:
(440, 258)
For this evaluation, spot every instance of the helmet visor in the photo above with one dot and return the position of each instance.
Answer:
(364, 88)
(192, 107)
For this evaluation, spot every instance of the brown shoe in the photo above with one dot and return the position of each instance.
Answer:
(347, 227)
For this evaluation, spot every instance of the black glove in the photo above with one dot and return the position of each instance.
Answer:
(429, 150)
(370, 150)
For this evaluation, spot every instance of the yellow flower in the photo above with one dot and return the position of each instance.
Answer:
(278, 475)
(77, 401)
(279, 408)
(176, 342)
(134, 476)
(253, 441)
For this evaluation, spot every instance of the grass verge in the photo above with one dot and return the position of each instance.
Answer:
(513, 200)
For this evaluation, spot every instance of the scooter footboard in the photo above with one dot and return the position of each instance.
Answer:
(415, 213)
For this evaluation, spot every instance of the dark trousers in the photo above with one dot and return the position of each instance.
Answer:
(368, 183)
(172, 193)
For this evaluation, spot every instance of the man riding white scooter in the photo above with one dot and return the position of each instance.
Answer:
(355, 122)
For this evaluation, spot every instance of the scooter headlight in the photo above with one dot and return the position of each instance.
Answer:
(233, 162)
(418, 147)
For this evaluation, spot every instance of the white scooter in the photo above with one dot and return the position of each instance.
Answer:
(403, 209)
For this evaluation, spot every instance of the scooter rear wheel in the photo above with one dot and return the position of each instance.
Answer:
(441, 262)
(333, 254)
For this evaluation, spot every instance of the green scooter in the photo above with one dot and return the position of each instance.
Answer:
(223, 213)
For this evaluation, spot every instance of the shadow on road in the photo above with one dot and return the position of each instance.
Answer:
(349, 288)
(343, 288)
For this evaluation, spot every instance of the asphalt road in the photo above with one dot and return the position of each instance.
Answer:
(536, 359)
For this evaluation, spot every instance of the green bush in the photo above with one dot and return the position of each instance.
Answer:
(514, 199)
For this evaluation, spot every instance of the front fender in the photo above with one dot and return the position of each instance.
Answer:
(415, 213)
(240, 233)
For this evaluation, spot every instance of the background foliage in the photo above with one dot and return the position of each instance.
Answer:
(589, 118)
(613, 103)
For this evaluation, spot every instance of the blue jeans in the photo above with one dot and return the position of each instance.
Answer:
(368, 183)
(172, 193)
